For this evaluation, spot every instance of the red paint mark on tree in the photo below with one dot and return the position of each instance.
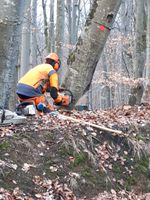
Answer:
(102, 28)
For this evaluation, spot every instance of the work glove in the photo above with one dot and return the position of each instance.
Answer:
(65, 100)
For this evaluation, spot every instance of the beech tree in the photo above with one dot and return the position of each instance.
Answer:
(34, 33)
(139, 51)
(74, 22)
(10, 24)
(51, 28)
(60, 22)
(60, 26)
(83, 60)
(146, 94)
(45, 24)
(69, 20)
(25, 39)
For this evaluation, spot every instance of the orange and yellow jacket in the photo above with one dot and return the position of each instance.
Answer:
(39, 80)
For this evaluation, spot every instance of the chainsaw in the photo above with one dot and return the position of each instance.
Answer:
(28, 107)
(66, 92)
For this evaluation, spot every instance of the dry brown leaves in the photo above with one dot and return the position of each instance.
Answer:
(119, 117)
(53, 191)
(122, 195)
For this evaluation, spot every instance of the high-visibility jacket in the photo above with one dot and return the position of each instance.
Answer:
(37, 81)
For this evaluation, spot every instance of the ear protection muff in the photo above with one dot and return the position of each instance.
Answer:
(57, 65)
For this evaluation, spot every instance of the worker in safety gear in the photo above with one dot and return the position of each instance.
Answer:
(41, 79)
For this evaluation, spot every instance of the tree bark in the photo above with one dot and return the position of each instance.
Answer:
(60, 22)
(83, 60)
(139, 51)
(140, 39)
(69, 20)
(25, 40)
(51, 28)
(74, 22)
(146, 94)
(60, 27)
(34, 33)
(45, 24)
(10, 25)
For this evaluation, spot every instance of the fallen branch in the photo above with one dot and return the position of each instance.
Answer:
(89, 124)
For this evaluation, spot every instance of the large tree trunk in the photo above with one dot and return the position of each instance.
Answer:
(9, 43)
(82, 62)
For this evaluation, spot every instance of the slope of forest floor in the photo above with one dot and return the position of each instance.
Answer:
(52, 158)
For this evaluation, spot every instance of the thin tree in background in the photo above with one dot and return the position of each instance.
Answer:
(69, 10)
(25, 40)
(33, 32)
(60, 26)
(74, 22)
(45, 24)
(146, 94)
(139, 51)
(51, 47)
(78, 19)
(140, 38)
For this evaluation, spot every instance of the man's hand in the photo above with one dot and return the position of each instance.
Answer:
(65, 98)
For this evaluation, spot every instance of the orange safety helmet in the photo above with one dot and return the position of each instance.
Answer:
(54, 56)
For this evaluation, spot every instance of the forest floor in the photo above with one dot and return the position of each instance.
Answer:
(50, 158)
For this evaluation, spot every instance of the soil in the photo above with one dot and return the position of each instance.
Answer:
(51, 157)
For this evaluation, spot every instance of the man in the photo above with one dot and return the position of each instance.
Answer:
(41, 79)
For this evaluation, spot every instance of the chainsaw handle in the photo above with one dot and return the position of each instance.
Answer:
(61, 89)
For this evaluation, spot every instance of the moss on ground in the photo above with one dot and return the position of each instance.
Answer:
(5, 145)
